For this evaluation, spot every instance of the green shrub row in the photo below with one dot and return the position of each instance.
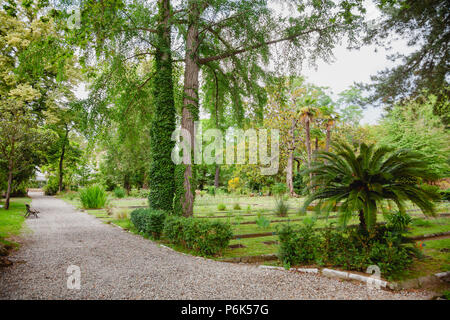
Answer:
(204, 237)
(149, 221)
(348, 249)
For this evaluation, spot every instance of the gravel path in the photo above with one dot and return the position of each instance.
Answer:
(116, 264)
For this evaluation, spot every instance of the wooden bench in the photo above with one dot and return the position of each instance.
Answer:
(31, 212)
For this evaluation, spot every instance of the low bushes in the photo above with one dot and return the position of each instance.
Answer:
(149, 221)
(348, 249)
(119, 192)
(299, 245)
(204, 237)
(93, 197)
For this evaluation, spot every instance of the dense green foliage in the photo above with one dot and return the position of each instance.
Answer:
(119, 192)
(149, 221)
(162, 183)
(205, 237)
(93, 197)
(413, 125)
(424, 25)
(347, 249)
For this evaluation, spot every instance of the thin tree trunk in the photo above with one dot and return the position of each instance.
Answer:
(308, 143)
(289, 172)
(8, 190)
(362, 220)
(217, 176)
(327, 144)
(190, 104)
(61, 161)
(290, 163)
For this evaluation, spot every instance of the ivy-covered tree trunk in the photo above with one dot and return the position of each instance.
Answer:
(190, 109)
(161, 182)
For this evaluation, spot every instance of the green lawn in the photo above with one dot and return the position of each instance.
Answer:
(11, 220)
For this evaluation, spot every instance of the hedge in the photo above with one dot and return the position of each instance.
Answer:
(204, 237)
(149, 221)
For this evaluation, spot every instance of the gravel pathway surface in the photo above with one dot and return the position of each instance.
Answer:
(116, 264)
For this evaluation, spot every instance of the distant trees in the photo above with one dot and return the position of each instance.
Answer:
(424, 24)
(414, 125)
(31, 83)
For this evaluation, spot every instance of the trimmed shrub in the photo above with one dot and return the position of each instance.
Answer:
(149, 221)
(221, 207)
(119, 192)
(298, 246)
(236, 206)
(347, 249)
(93, 197)
(204, 237)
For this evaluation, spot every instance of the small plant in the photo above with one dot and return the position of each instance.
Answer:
(93, 197)
(236, 206)
(281, 207)
(121, 215)
(249, 209)
(109, 210)
(119, 192)
(238, 218)
(262, 222)
(211, 190)
(221, 207)
(398, 222)
(421, 223)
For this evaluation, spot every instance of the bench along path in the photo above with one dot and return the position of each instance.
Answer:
(118, 265)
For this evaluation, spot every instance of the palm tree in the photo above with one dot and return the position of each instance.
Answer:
(359, 182)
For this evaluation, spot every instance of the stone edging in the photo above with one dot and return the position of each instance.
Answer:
(408, 284)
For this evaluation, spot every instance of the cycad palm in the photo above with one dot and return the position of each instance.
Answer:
(360, 182)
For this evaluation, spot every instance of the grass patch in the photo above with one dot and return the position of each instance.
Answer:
(11, 220)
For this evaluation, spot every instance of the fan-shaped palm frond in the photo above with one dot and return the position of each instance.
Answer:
(359, 181)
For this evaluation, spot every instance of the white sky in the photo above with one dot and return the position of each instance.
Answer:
(349, 66)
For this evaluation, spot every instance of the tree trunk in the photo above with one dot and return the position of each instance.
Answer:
(61, 161)
(327, 144)
(362, 221)
(290, 163)
(190, 105)
(8, 190)
(308, 143)
(161, 181)
(126, 183)
(289, 173)
(217, 176)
